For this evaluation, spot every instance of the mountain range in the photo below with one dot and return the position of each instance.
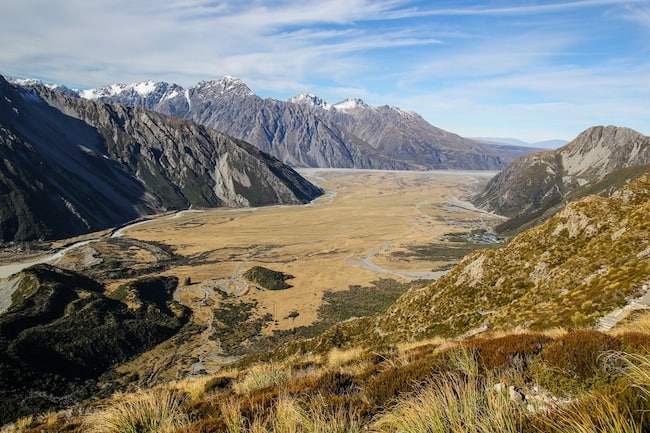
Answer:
(307, 131)
(539, 145)
(72, 165)
(535, 186)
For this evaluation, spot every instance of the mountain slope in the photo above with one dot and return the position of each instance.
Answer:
(308, 131)
(587, 260)
(62, 333)
(72, 165)
(536, 185)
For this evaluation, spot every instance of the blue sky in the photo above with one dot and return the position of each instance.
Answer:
(532, 70)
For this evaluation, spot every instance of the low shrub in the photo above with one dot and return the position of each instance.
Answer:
(336, 383)
(572, 363)
(636, 342)
(513, 351)
(384, 388)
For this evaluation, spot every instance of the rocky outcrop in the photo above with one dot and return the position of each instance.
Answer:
(307, 131)
(535, 186)
(72, 165)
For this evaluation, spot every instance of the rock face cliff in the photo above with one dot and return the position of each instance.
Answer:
(535, 186)
(72, 165)
(308, 131)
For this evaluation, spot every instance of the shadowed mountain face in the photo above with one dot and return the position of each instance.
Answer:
(307, 131)
(71, 166)
(62, 333)
(535, 186)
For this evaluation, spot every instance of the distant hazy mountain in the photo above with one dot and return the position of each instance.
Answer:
(72, 165)
(308, 131)
(546, 144)
(534, 186)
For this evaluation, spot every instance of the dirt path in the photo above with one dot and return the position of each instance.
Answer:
(609, 321)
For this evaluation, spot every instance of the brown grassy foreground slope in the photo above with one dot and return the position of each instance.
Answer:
(523, 382)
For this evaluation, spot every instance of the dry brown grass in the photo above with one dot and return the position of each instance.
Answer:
(263, 376)
(324, 245)
(340, 358)
(150, 411)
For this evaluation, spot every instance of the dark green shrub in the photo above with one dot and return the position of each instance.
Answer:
(267, 278)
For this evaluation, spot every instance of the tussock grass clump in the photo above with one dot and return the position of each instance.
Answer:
(340, 357)
(154, 411)
(594, 414)
(290, 415)
(262, 376)
(454, 403)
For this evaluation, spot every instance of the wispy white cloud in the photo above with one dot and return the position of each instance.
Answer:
(479, 59)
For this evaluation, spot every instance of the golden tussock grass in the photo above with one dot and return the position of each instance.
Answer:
(263, 376)
(145, 411)
(342, 357)
(292, 415)
(595, 414)
(194, 387)
(19, 426)
(454, 404)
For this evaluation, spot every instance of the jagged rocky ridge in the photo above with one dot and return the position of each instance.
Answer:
(535, 186)
(307, 131)
(72, 165)
(589, 259)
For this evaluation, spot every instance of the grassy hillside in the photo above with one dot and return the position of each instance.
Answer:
(586, 261)
(518, 382)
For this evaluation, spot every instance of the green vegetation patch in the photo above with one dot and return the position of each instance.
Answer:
(237, 326)
(268, 278)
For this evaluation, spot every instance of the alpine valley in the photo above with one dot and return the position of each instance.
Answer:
(372, 301)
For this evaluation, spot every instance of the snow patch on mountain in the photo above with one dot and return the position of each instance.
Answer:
(350, 104)
(143, 88)
(310, 99)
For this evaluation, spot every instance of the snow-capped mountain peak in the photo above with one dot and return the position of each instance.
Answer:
(310, 99)
(30, 82)
(350, 104)
(225, 85)
(142, 89)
